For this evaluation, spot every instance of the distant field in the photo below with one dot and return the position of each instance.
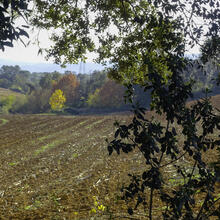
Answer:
(7, 92)
(52, 166)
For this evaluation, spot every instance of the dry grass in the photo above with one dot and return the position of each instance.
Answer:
(52, 166)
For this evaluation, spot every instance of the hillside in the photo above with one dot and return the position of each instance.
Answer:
(8, 92)
(54, 166)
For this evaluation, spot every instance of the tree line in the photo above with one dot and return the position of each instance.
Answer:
(95, 90)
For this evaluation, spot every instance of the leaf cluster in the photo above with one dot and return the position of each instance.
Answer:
(9, 11)
(161, 147)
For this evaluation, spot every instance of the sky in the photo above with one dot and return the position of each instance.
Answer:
(20, 53)
(29, 54)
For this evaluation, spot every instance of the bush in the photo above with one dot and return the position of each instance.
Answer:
(6, 104)
(37, 102)
(18, 104)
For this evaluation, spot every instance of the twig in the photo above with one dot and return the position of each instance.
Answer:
(151, 203)
(212, 205)
(203, 205)
(194, 166)
(167, 128)
(173, 160)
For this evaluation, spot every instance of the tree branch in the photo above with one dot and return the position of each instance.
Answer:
(173, 160)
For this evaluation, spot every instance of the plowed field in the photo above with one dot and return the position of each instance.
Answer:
(54, 167)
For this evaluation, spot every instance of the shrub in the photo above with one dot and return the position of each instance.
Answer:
(6, 103)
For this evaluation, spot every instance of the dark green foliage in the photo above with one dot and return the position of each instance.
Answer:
(47, 79)
(156, 142)
(211, 49)
(37, 102)
(9, 11)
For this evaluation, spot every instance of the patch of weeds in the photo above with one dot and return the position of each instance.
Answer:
(28, 207)
(176, 182)
(75, 155)
(44, 148)
(75, 214)
(180, 181)
(82, 123)
(4, 121)
(94, 123)
(12, 163)
(217, 197)
(50, 145)
(56, 201)
(117, 198)
(44, 137)
(37, 203)
(23, 188)
(47, 114)
(34, 206)
(97, 208)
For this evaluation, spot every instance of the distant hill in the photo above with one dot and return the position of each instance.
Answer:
(49, 67)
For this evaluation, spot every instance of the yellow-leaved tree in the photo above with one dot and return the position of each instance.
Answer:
(57, 100)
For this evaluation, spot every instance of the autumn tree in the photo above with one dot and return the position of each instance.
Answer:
(110, 95)
(146, 42)
(69, 85)
(57, 100)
